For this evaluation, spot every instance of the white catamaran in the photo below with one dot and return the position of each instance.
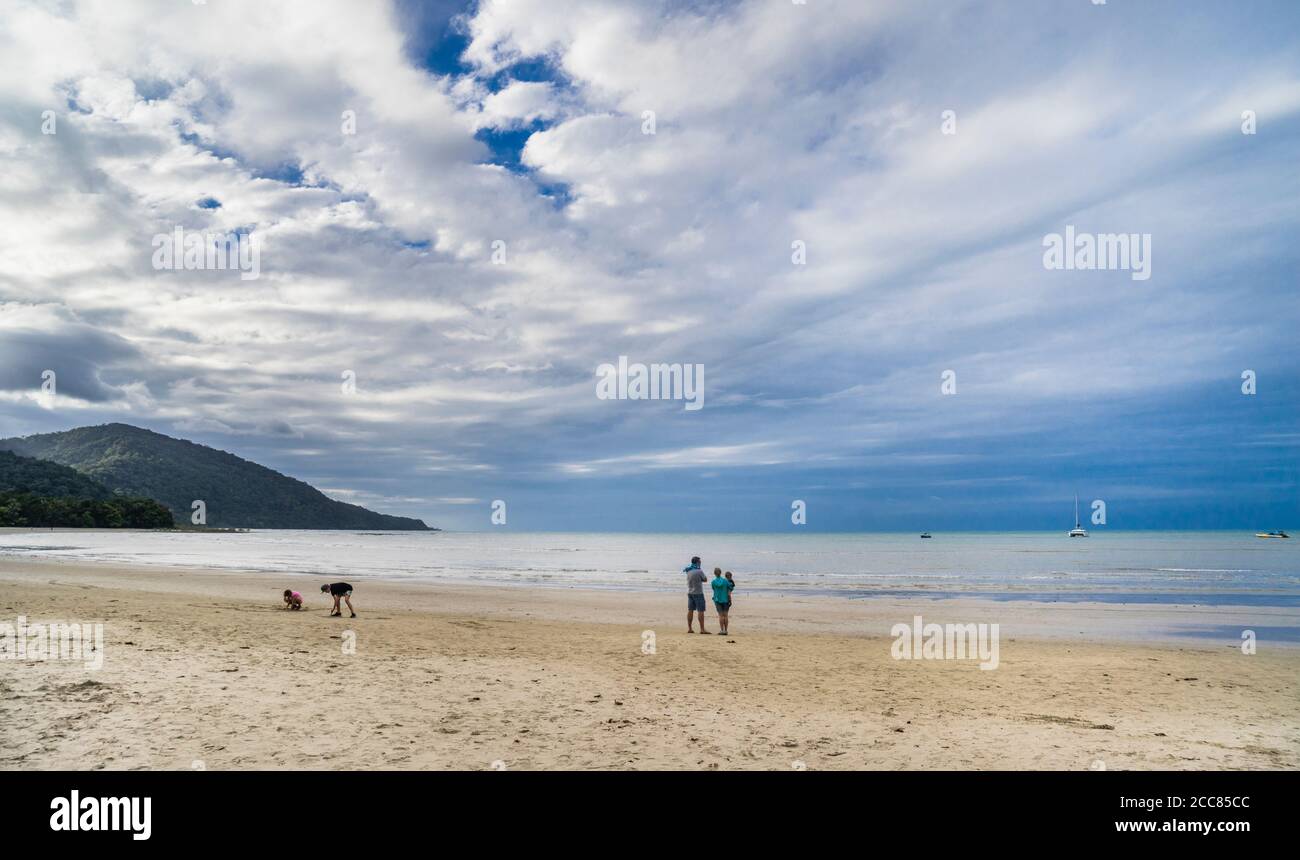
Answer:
(1078, 530)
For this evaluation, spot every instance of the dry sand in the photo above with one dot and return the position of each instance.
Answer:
(203, 669)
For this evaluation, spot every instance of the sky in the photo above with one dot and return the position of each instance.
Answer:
(465, 209)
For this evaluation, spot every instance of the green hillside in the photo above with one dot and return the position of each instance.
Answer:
(44, 478)
(39, 493)
(238, 494)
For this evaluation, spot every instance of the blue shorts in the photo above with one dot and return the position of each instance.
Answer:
(695, 603)
(722, 607)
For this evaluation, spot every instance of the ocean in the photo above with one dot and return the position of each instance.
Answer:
(1218, 568)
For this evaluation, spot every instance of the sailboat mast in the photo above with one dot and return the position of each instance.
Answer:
(1076, 510)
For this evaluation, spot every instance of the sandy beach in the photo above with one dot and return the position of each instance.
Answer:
(202, 669)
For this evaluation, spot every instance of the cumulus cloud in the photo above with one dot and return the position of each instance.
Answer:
(460, 205)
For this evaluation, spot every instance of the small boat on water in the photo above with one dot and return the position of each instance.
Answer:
(925, 534)
(1277, 534)
(1078, 530)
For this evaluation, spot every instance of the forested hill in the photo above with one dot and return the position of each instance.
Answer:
(237, 493)
(44, 478)
(38, 493)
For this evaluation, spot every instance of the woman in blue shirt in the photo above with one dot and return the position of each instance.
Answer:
(721, 597)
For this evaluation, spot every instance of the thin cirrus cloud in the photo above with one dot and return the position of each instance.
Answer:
(499, 225)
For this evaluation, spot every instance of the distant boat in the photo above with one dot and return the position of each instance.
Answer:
(1078, 530)
(925, 534)
(1272, 535)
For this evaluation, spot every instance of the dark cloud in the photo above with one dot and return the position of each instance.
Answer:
(79, 356)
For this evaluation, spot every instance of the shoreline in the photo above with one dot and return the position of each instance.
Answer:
(203, 667)
(850, 612)
(1109, 530)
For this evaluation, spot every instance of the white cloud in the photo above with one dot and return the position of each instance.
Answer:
(775, 122)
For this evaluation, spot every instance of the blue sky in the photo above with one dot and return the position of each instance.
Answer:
(497, 224)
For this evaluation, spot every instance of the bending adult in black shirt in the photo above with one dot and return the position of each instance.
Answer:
(340, 590)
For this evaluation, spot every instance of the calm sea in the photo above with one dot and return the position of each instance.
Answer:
(1228, 568)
